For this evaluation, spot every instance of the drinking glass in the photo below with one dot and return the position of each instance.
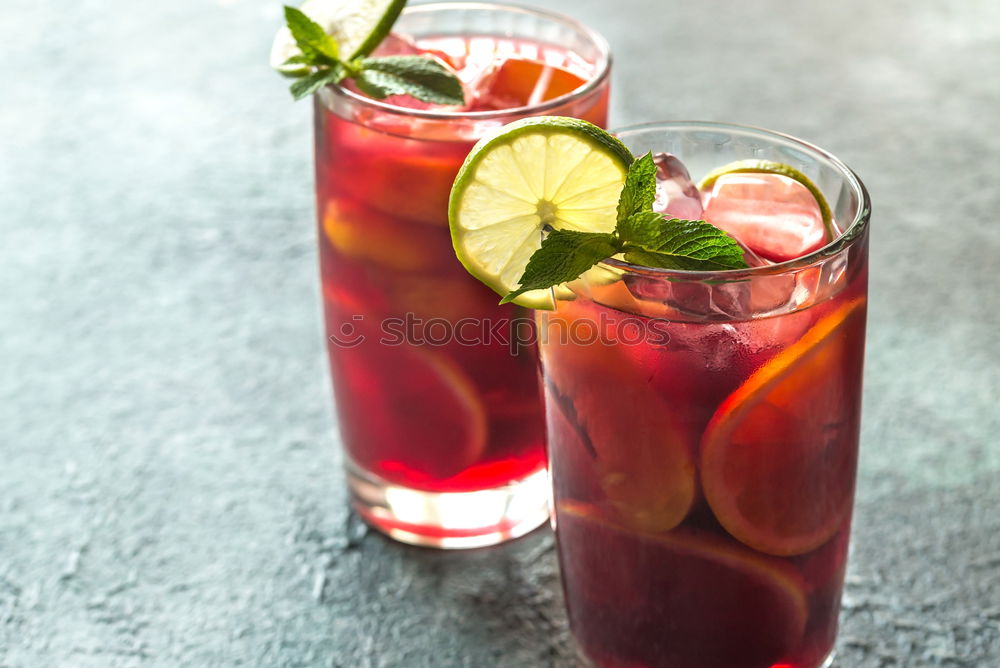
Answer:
(436, 392)
(703, 436)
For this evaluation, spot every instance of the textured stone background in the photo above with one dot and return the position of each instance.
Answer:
(170, 491)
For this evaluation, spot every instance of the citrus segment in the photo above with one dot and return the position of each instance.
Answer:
(678, 598)
(404, 430)
(778, 456)
(365, 235)
(642, 457)
(535, 173)
(403, 182)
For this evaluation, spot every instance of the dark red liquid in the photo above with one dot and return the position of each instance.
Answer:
(703, 480)
(426, 401)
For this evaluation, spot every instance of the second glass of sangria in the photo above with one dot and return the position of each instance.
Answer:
(436, 392)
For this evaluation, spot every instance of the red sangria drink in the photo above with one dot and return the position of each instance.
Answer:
(435, 386)
(702, 383)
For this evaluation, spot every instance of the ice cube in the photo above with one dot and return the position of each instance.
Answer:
(773, 215)
(771, 294)
(676, 194)
(519, 82)
(451, 50)
(694, 299)
(711, 301)
(751, 258)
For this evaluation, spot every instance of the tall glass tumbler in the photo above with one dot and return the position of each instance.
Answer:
(703, 436)
(436, 394)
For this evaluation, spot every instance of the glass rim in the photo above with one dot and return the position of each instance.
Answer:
(603, 66)
(846, 239)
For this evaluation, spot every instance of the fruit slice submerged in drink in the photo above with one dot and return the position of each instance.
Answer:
(778, 456)
(641, 453)
(361, 234)
(683, 598)
(402, 431)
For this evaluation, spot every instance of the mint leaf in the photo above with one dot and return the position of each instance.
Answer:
(640, 188)
(317, 47)
(319, 64)
(691, 245)
(641, 228)
(644, 237)
(423, 78)
(309, 84)
(563, 256)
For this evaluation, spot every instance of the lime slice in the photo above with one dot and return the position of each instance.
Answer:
(536, 172)
(358, 26)
(770, 167)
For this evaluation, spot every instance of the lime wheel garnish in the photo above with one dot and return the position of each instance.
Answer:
(533, 174)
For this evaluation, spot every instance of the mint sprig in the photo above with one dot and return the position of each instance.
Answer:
(564, 255)
(321, 65)
(312, 82)
(419, 77)
(316, 45)
(641, 235)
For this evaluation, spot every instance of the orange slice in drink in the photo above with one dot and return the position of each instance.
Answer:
(409, 408)
(778, 456)
(414, 186)
(517, 82)
(408, 180)
(642, 456)
(684, 598)
(367, 235)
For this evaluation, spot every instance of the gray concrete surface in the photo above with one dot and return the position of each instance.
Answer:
(170, 492)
